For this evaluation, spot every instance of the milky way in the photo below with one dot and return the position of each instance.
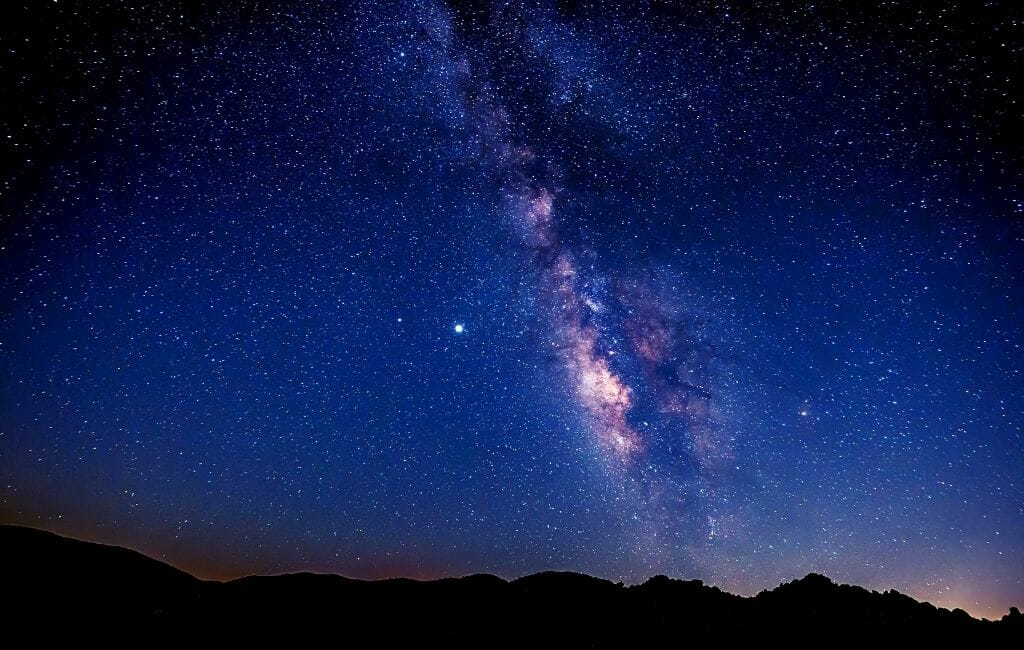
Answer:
(425, 288)
(668, 465)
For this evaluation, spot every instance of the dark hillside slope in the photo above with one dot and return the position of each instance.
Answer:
(57, 587)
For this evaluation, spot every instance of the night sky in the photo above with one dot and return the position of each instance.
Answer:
(714, 290)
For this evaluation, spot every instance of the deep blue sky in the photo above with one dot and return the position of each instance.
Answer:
(739, 289)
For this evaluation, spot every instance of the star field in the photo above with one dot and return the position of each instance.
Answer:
(726, 291)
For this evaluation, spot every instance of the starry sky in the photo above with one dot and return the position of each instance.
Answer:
(717, 290)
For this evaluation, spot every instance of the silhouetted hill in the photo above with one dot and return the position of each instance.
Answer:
(73, 577)
(57, 588)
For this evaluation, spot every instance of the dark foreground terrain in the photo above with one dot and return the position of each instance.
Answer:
(57, 588)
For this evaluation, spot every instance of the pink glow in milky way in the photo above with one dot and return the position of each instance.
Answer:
(603, 394)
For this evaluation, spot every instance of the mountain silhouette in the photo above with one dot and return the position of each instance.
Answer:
(60, 588)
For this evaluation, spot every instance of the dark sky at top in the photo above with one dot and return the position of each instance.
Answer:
(726, 291)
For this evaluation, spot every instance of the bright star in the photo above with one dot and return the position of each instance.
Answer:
(459, 328)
